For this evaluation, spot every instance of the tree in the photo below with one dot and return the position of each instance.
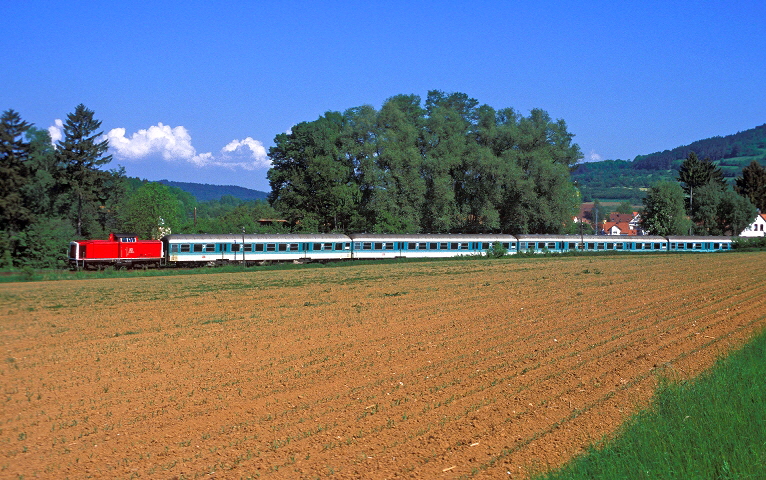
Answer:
(152, 211)
(752, 184)
(624, 207)
(14, 175)
(81, 152)
(694, 173)
(42, 188)
(664, 210)
(312, 180)
(735, 212)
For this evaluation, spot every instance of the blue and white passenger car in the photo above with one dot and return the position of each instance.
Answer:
(591, 243)
(207, 249)
(699, 244)
(426, 246)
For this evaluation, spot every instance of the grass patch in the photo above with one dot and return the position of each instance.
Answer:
(713, 426)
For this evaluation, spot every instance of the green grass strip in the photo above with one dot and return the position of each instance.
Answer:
(713, 426)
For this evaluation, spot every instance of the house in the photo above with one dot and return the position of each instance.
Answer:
(619, 228)
(757, 228)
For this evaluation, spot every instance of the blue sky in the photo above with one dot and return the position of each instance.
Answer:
(197, 91)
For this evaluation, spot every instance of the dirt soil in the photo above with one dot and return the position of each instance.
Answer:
(472, 368)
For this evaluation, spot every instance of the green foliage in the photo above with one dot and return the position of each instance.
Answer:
(749, 243)
(497, 250)
(695, 173)
(15, 214)
(752, 184)
(664, 211)
(152, 211)
(312, 178)
(711, 427)
(748, 143)
(44, 244)
(453, 166)
(617, 180)
(624, 207)
(81, 153)
(205, 193)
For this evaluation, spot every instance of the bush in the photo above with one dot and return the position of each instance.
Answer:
(497, 250)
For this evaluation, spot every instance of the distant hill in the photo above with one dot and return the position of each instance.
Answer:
(204, 192)
(620, 180)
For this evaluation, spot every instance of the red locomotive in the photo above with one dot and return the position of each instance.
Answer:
(121, 250)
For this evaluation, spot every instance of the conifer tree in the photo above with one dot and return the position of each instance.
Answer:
(80, 153)
(14, 175)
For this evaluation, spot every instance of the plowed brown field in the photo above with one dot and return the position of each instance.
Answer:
(427, 370)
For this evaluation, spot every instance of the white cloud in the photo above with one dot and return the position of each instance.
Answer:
(594, 157)
(55, 131)
(175, 143)
(248, 153)
(171, 143)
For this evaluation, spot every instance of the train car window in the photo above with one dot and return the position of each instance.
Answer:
(551, 245)
(367, 246)
(388, 246)
(294, 247)
(412, 246)
(571, 246)
(317, 246)
(485, 246)
(716, 246)
(508, 245)
(235, 247)
(689, 246)
(379, 246)
(282, 247)
(210, 247)
(173, 249)
(619, 246)
(271, 247)
(463, 246)
(347, 246)
(249, 247)
(698, 246)
(433, 246)
(198, 247)
(258, 247)
(454, 246)
(357, 245)
(443, 246)
(185, 248)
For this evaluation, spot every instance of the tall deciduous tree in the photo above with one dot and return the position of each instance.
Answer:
(454, 165)
(81, 152)
(664, 210)
(752, 184)
(14, 175)
(312, 179)
(152, 211)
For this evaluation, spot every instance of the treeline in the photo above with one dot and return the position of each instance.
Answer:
(749, 143)
(51, 195)
(204, 192)
(451, 165)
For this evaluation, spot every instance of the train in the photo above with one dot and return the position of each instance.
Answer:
(193, 250)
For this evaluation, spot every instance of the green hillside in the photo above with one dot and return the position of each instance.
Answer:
(204, 192)
(620, 180)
